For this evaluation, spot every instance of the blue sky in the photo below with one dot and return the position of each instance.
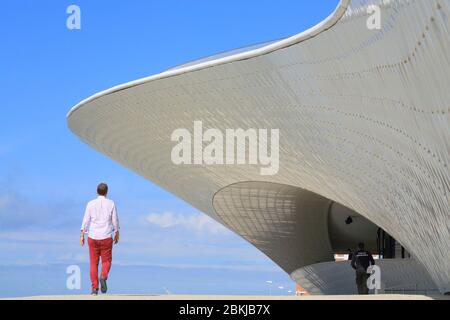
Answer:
(47, 175)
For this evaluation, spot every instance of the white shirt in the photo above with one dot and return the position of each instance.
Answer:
(101, 218)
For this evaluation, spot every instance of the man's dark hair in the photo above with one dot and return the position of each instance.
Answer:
(102, 189)
(361, 245)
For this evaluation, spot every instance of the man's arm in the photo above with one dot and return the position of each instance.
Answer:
(353, 263)
(372, 261)
(85, 224)
(115, 222)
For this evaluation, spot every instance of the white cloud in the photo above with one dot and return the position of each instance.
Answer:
(241, 267)
(195, 222)
(33, 235)
(73, 258)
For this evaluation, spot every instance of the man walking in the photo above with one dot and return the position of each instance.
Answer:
(361, 260)
(102, 224)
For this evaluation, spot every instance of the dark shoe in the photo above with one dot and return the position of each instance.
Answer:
(103, 286)
(94, 292)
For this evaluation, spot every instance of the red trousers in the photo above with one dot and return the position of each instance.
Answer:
(97, 249)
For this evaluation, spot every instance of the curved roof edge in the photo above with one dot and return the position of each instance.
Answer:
(326, 24)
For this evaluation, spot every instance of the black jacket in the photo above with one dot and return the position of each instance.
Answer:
(362, 259)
